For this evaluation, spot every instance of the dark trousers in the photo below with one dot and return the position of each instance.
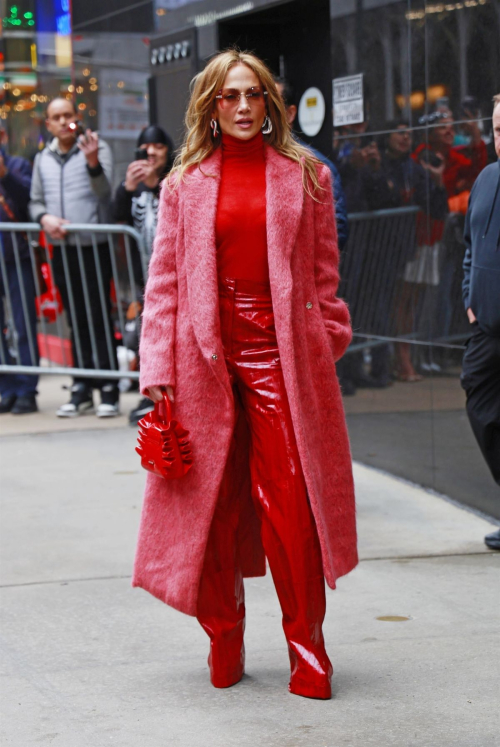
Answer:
(99, 311)
(481, 381)
(24, 325)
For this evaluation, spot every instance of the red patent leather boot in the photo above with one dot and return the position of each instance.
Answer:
(221, 599)
(311, 669)
(226, 660)
(301, 593)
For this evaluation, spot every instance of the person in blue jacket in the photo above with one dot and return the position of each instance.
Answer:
(481, 294)
(17, 286)
(288, 96)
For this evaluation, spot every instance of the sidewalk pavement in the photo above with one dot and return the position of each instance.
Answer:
(88, 661)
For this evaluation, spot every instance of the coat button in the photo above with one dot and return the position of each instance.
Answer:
(214, 357)
(309, 305)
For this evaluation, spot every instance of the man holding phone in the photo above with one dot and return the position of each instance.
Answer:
(71, 183)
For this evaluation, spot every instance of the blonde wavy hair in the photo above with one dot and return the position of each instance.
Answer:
(199, 142)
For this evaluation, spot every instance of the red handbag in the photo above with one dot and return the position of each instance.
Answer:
(163, 444)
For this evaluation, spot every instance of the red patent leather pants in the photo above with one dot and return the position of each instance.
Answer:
(287, 525)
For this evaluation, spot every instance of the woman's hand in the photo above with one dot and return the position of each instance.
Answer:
(156, 393)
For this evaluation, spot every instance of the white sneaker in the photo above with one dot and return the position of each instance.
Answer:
(109, 407)
(107, 411)
(81, 402)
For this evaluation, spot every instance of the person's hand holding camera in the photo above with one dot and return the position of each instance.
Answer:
(471, 127)
(140, 171)
(89, 145)
(135, 174)
(435, 167)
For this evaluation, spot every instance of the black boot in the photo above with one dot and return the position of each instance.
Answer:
(7, 403)
(493, 540)
(25, 405)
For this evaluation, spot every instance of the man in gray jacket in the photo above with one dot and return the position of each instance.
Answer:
(71, 183)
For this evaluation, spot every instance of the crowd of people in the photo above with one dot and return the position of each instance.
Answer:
(71, 182)
(411, 275)
(414, 263)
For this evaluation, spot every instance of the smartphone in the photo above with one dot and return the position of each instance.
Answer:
(141, 154)
(429, 157)
(77, 128)
(470, 107)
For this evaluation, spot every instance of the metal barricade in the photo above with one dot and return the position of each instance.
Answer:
(399, 291)
(96, 275)
(387, 303)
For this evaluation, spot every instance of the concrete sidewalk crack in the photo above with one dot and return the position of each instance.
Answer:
(362, 560)
(63, 581)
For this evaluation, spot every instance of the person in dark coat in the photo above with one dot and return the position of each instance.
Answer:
(409, 182)
(17, 286)
(481, 294)
(288, 96)
(136, 203)
(136, 199)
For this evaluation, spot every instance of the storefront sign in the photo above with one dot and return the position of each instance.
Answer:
(123, 106)
(348, 100)
(311, 112)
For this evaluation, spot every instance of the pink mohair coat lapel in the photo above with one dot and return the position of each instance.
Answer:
(200, 198)
(284, 201)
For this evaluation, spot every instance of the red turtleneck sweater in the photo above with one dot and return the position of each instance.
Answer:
(240, 226)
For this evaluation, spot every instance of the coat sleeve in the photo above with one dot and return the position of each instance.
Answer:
(122, 205)
(160, 302)
(17, 183)
(37, 207)
(340, 208)
(101, 177)
(326, 269)
(467, 263)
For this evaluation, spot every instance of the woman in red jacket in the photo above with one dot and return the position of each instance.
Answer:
(242, 327)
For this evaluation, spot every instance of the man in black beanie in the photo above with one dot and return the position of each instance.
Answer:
(136, 203)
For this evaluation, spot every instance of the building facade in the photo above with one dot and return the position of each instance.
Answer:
(391, 64)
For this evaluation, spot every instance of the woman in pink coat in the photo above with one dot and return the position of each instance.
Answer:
(242, 327)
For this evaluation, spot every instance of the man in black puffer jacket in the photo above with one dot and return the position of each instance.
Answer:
(481, 293)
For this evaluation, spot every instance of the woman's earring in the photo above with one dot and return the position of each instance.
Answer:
(267, 125)
(214, 125)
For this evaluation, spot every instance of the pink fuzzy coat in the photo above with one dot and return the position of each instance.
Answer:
(181, 345)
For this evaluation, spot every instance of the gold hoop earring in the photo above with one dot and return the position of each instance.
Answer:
(214, 126)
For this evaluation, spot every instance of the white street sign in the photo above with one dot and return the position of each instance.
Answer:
(348, 100)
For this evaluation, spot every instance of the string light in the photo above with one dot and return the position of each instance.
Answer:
(418, 15)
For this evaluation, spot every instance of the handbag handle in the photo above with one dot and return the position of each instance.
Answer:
(168, 410)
